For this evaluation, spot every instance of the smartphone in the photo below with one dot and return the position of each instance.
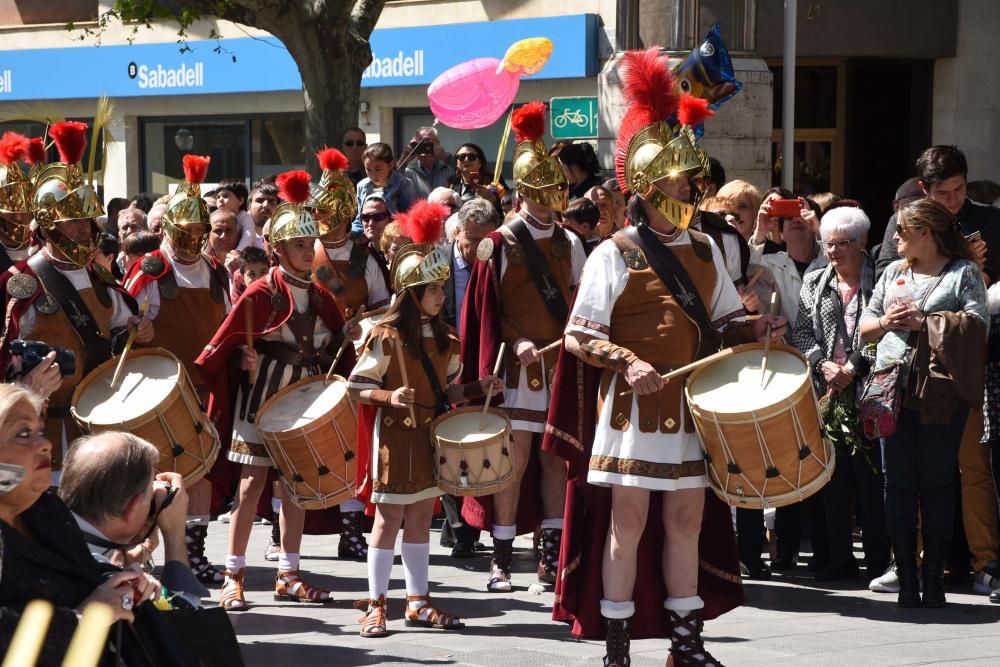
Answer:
(974, 236)
(786, 208)
(10, 476)
(474, 177)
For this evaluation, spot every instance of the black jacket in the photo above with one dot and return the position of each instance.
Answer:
(449, 309)
(973, 217)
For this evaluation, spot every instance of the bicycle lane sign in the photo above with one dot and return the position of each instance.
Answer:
(573, 117)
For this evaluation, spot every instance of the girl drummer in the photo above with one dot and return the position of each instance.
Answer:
(406, 370)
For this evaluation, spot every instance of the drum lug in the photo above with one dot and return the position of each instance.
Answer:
(733, 468)
(771, 472)
(348, 455)
(199, 427)
(176, 450)
(297, 478)
(804, 452)
(486, 464)
(322, 470)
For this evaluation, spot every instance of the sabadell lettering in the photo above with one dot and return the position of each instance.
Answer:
(400, 65)
(182, 77)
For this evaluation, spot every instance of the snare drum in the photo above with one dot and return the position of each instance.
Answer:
(154, 400)
(473, 461)
(764, 444)
(310, 430)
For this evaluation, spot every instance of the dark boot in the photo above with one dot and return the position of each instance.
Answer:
(201, 568)
(353, 545)
(548, 564)
(904, 545)
(935, 551)
(503, 553)
(617, 642)
(686, 646)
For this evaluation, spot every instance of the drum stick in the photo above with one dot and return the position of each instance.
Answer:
(248, 324)
(548, 348)
(402, 370)
(767, 338)
(489, 392)
(684, 370)
(347, 341)
(755, 278)
(88, 641)
(29, 635)
(128, 344)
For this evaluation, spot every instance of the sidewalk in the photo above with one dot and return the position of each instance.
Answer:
(787, 621)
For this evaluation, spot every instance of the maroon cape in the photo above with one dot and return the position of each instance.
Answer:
(569, 433)
(481, 338)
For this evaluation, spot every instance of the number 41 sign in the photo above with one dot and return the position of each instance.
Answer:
(573, 117)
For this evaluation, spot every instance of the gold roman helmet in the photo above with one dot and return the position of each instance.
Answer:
(421, 262)
(291, 218)
(185, 221)
(16, 192)
(334, 199)
(62, 194)
(650, 150)
(538, 177)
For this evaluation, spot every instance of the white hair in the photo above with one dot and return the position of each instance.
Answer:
(446, 196)
(451, 227)
(477, 211)
(845, 219)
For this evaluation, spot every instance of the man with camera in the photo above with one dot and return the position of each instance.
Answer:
(427, 171)
(59, 296)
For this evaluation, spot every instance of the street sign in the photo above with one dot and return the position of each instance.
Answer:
(573, 117)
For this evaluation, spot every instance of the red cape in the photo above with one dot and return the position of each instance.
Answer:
(569, 433)
(481, 338)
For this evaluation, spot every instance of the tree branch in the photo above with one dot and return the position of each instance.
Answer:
(365, 15)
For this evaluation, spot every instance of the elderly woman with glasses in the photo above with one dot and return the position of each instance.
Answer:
(826, 330)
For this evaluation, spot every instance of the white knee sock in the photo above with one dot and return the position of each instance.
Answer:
(197, 519)
(611, 609)
(275, 505)
(556, 524)
(379, 571)
(352, 505)
(288, 562)
(235, 563)
(683, 607)
(504, 532)
(416, 559)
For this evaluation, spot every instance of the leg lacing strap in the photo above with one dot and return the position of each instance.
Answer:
(686, 645)
(618, 642)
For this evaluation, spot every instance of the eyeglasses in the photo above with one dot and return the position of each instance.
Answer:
(355, 144)
(373, 217)
(843, 244)
(466, 157)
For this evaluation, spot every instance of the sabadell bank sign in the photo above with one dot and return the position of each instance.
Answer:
(158, 76)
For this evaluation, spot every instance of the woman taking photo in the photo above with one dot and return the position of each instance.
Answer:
(826, 332)
(470, 178)
(935, 275)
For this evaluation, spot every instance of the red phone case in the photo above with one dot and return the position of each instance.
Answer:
(785, 208)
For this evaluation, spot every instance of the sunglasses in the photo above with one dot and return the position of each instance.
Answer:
(901, 228)
(355, 144)
(467, 157)
(841, 245)
(373, 217)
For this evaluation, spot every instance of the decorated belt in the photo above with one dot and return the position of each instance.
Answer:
(290, 356)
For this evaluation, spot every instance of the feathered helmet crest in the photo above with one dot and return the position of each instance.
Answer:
(334, 199)
(186, 220)
(291, 218)
(421, 262)
(538, 177)
(16, 191)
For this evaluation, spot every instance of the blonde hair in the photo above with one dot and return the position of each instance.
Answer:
(932, 215)
(737, 190)
(393, 233)
(824, 200)
(13, 394)
(716, 204)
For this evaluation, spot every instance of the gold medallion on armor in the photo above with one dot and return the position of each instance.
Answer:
(46, 305)
(21, 286)
(152, 265)
(485, 250)
(168, 289)
(279, 302)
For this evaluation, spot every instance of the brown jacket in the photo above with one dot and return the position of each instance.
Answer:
(948, 366)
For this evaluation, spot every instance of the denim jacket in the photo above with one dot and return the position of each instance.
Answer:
(399, 194)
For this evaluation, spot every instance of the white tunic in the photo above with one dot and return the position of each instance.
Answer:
(378, 293)
(526, 399)
(189, 276)
(604, 279)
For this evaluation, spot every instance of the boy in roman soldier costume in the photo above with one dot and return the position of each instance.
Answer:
(16, 196)
(188, 298)
(60, 296)
(406, 371)
(519, 293)
(655, 296)
(296, 329)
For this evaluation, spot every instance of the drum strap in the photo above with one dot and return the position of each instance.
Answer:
(441, 398)
(73, 307)
(5, 261)
(541, 273)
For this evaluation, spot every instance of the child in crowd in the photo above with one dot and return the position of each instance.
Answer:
(253, 266)
(232, 195)
(135, 246)
(383, 181)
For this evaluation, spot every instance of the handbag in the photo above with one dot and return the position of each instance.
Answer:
(882, 396)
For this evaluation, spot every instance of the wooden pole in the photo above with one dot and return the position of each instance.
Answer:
(489, 392)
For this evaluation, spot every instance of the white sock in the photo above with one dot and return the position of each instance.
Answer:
(235, 563)
(504, 532)
(288, 562)
(416, 559)
(683, 604)
(352, 505)
(379, 571)
(197, 519)
(556, 524)
(275, 504)
(611, 609)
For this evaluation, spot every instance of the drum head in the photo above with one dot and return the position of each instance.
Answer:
(301, 406)
(464, 427)
(732, 384)
(147, 380)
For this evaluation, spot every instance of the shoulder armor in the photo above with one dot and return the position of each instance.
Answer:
(21, 286)
(152, 265)
(701, 244)
(485, 250)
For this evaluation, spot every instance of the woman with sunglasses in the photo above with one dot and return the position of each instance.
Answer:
(919, 458)
(826, 332)
(471, 175)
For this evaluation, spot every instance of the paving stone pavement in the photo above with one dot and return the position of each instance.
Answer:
(790, 620)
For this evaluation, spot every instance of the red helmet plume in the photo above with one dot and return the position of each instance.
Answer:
(648, 84)
(331, 159)
(195, 168)
(293, 186)
(423, 222)
(693, 110)
(71, 140)
(528, 121)
(13, 147)
(36, 151)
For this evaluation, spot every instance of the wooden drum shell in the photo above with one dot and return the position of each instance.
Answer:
(449, 454)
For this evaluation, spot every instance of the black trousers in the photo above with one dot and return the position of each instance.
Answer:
(464, 534)
(855, 479)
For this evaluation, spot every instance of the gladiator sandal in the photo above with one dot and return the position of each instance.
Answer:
(548, 564)
(201, 568)
(373, 620)
(289, 587)
(233, 598)
(353, 545)
(503, 552)
(686, 646)
(618, 642)
(426, 616)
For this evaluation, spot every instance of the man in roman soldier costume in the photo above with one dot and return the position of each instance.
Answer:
(188, 298)
(654, 297)
(60, 296)
(16, 196)
(519, 293)
(296, 328)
